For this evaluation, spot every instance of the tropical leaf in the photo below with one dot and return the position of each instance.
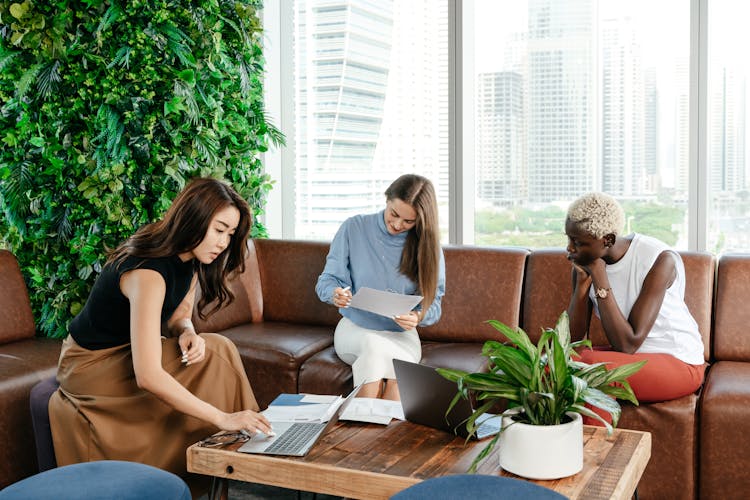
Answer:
(92, 143)
(543, 381)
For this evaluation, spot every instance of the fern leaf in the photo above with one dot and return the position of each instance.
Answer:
(109, 18)
(49, 77)
(122, 58)
(26, 80)
(7, 57)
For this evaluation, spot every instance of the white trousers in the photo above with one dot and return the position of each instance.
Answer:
(371, 352)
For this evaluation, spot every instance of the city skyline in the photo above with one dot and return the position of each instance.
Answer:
(578, 103)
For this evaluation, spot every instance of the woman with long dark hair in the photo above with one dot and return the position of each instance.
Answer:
(137, 382)
(396, 250)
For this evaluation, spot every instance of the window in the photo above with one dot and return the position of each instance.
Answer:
(370, 93)
(513, 108)
(727, 133)
(578, 96)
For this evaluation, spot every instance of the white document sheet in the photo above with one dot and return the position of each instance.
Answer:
(384, 303)
(320, 412)
(376, 411)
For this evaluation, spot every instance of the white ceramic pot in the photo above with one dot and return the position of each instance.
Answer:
(541, 451)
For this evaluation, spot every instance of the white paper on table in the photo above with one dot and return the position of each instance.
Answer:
(384, 303)
(373, 410)
(302, 413)
(319, 398)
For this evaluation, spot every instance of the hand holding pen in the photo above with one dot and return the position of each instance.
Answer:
(342, 296)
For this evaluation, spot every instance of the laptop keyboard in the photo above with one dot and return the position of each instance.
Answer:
(295, 438)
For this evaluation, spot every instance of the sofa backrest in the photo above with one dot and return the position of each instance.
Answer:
(731, 340)
(288, 274)
(548, 285)
(546, 290)
(481, 284)
(16, 319)
(247, 306)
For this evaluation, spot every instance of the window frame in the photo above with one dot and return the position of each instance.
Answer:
(277, 18)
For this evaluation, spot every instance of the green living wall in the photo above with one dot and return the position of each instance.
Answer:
(107, 108)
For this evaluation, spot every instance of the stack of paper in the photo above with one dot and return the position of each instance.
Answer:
(376, 411)
(302, 408)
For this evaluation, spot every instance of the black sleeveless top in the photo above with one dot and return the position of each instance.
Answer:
(105, 319)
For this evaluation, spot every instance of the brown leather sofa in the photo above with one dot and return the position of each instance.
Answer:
(285, 336)
(24, 361)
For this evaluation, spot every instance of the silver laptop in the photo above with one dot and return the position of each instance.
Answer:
(426, 395)
(294, 438)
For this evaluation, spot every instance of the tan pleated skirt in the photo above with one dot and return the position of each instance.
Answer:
(99, 413)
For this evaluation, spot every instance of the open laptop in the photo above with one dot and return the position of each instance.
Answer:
(426, 395)
(294, 438)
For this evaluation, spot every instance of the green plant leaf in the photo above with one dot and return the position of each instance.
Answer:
(517, 337)
(18, 10)
(95, 145)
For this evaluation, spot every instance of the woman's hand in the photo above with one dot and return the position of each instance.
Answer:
(193, 347)
(247, 420)
(342, 297)
(407, 321)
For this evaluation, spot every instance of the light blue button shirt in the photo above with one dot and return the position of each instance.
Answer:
(364, 253)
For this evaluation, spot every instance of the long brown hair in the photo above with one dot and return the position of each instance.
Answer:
(420, 260)
(183, 228)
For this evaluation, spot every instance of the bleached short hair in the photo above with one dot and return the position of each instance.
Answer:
(598, 214)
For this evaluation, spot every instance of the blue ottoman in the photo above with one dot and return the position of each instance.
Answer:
(102, 480)
(476, 486)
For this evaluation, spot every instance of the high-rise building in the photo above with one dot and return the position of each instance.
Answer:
(563, 97)
(681, 158)
(343, 55)
(372, 102)
(726, 148)
(651, 131)
(500, 139)
(622, 97)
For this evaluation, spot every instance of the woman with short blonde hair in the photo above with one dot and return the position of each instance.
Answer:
(636, 285)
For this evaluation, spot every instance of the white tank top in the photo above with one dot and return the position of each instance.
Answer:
(675, 331)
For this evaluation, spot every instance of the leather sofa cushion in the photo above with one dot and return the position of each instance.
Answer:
(16, 320)
(731, 312)
(325, 373)
(725, 431)
(247, 306)
(273, 352)
(465, 356)
(672, 470)
(480, 284)
(22, 365)
(288, 274)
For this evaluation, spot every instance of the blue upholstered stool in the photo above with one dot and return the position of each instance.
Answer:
(102, 480)
(476, 486)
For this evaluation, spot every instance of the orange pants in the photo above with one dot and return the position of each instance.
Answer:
(662, 378)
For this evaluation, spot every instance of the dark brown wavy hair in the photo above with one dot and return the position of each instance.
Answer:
(420, 260)
(183, 228)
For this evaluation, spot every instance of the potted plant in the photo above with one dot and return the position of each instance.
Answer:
(543, 385)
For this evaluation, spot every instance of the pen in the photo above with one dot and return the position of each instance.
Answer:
(345, 288)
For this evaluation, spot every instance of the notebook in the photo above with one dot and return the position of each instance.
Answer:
(294, 438)
(426, 395)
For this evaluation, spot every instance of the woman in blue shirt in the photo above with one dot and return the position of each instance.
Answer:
(396, 250)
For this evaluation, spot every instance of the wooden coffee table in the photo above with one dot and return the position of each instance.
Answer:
(371, 461)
